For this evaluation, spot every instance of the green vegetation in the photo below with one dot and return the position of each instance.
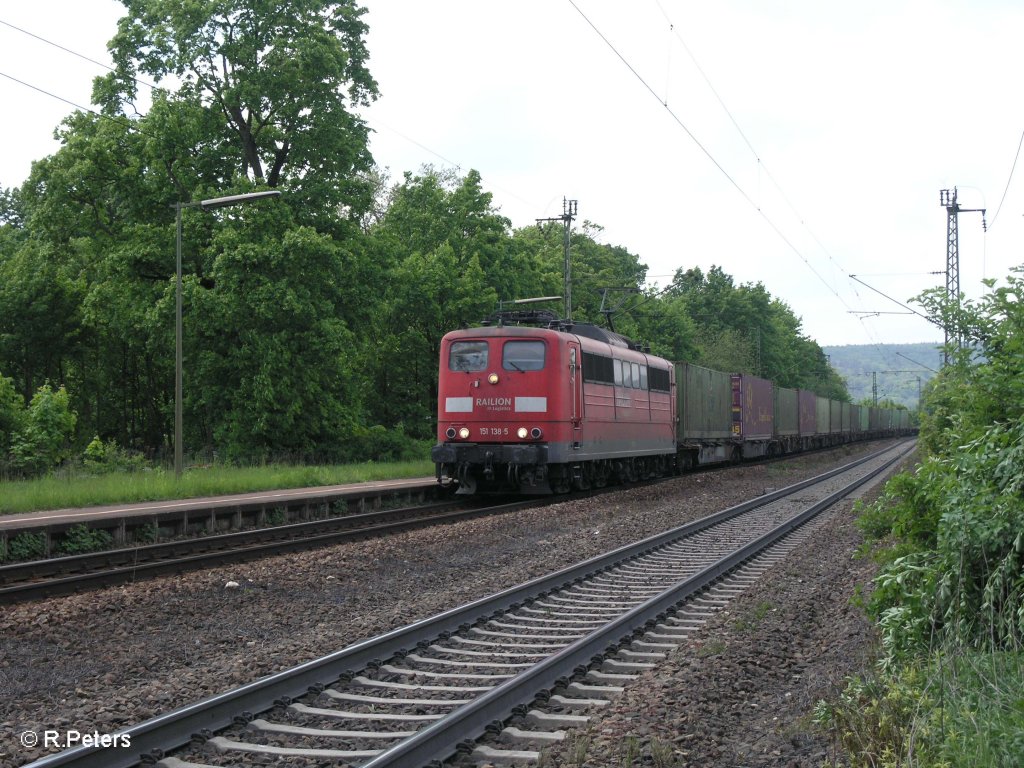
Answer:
(312, 322)
(25, 546)
(950, 596)
(80, 540)
(53, 492)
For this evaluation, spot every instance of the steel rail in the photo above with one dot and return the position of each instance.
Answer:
(154, 737)
(173, 557)
(442, 739)
(124, 555)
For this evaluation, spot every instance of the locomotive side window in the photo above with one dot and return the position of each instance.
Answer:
(598, 368)
(638, 383)
(467, 356)
(523, 356)
(643, 377)
(659, 380)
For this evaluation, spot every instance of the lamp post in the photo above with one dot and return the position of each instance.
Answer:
(204, 205)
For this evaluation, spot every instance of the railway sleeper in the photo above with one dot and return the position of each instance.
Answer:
(504, 756)
(579, 702)
(616, 666)
(512, 733)
(222, 744)
(555, 719)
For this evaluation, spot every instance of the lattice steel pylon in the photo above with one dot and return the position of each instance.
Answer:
(569, 211)
(948, 200)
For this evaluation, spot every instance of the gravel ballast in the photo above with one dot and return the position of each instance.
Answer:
(740, 693)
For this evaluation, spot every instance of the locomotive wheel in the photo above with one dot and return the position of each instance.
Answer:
(560, 480)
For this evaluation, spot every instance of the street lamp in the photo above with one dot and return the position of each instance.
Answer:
(204, 205)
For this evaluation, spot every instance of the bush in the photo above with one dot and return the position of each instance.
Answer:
(26, 546)
(950, 597)
(954, 708)
(105, 457)
(377, 443)
(960, 522)
(44, 439)
(81, 539)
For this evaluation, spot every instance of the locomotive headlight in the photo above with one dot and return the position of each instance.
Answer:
(492, 378)
(522, 432)
(536, 433)
(464, 433)
(450, 433)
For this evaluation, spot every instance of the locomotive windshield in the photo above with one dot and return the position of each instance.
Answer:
(523, 356)
(467, 356)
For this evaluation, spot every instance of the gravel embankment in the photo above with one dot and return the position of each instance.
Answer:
(107, 659)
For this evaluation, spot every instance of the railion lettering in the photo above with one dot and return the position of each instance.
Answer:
(494, 402)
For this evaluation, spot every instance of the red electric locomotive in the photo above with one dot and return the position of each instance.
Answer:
(535, 405)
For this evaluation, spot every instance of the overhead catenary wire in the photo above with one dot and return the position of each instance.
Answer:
(826, 278)
(761, 166)
(128, 123)
(42, 39)
(708, 154)
(1008, 180)
(123, 121)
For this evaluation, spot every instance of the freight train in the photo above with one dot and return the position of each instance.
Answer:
(528, 403)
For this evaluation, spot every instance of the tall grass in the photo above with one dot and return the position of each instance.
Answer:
(959, 707)
(84, 490)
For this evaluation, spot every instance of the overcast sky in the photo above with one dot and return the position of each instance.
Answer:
(793, 143)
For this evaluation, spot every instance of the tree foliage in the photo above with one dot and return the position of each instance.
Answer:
(441, 238)
(43, 439)
(277, 81)
(312, 323)
(958, 573)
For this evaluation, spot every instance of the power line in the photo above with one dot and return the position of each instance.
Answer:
(653, 93)
(1007, 189)
(123, 121)
(708, 154)
(127, 123)
(73, 53)
(757, 156)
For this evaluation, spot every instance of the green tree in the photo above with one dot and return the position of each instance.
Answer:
(44, 439)
(665, 321)
(281, 78)
(12, 417)
(435, 240)
(263, 94)
(961, 515)
(271, 357)
(39, 316)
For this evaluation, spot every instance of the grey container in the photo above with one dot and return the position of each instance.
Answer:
(704, 403)
(787, 412)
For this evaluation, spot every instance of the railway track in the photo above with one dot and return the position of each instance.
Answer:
(498, 678)
(63, 575)
(54, 576)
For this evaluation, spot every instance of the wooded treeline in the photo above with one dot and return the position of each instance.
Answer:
(311, 322)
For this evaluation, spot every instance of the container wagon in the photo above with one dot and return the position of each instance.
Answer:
(704, 409)
(753, 419)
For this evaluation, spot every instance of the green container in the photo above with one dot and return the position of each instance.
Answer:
(704, 403)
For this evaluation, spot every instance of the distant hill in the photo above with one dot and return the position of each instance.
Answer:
(896, 366)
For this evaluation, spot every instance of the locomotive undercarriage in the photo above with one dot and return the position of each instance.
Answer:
(499, 469)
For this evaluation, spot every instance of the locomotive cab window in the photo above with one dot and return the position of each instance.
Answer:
(467, 356)
(523, 356)
(659, 380)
